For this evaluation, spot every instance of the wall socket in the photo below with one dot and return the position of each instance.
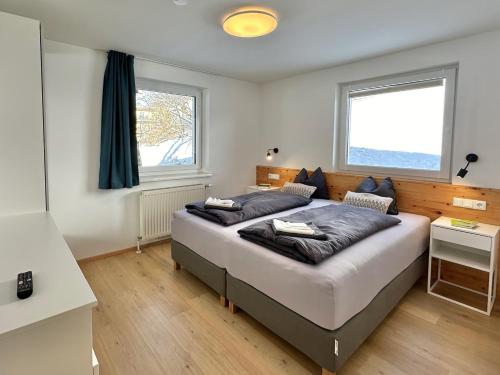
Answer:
(469, 203)
(273, 176)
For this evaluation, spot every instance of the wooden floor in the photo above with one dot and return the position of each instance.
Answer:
(151, 320)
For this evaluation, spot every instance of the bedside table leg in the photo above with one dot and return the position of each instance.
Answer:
(491, 288)
(429, 274)
(495, 283)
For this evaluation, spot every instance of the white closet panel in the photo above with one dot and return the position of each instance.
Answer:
(22, 173)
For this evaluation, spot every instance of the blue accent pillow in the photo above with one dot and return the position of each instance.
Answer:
(367, 185)
(316, 179)
(385, 189)
(302, 176)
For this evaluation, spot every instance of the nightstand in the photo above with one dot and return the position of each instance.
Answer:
(254, 188)
(476, 248)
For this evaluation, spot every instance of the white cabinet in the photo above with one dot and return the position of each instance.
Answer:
(21, 117)
(51, 331)
(476, 248)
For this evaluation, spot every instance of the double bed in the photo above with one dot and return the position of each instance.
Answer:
(325, 310)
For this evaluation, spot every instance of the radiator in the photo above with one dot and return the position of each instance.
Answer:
(156, 208)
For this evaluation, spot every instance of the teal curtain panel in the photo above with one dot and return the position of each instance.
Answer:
(119, 165)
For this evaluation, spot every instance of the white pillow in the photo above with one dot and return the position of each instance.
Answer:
(368, 200)
(298, 189)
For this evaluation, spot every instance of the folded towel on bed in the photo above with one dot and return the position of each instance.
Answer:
(304, 230)
(286, 226)
(222, 204)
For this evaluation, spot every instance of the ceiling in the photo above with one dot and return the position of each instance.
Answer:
(312, 34)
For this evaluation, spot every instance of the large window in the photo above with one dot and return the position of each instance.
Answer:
(168, 126)
(399, 126)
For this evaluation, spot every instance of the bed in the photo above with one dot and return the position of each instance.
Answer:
(324, 310)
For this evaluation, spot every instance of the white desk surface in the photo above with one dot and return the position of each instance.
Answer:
(32, 242)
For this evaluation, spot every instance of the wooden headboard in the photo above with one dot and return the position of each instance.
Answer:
(425, 198)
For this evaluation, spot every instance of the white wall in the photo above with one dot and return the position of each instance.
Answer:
(298, 113)
(95, 221)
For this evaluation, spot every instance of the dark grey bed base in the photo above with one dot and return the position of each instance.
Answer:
(316, 342)
(329, 349)
(209, 273)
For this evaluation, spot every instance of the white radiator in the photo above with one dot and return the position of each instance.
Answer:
(156, 208)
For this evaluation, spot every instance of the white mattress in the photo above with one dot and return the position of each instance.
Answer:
(211, 240)
(328, 294)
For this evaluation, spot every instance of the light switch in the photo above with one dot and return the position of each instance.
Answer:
(458, 202)
(273, 176)
(468, 203)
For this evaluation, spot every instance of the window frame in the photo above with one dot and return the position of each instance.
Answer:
(176, 89)
(449, 73)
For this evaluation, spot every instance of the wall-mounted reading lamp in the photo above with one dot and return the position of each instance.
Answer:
(471, 158)
(269, 156)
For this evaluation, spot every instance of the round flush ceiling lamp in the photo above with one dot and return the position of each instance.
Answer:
(250, 22)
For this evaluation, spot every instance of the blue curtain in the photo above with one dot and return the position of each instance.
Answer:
(119, 166)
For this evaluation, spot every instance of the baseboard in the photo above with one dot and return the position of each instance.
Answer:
(122, 251)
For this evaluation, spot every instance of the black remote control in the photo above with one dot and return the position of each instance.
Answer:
(24, 285)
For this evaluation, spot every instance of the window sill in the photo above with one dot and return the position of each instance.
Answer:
(173, 176)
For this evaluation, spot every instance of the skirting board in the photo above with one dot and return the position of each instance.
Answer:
(431, 199)
(122, 251)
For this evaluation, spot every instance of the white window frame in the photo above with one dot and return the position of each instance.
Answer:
(176, 89)
(449, 73)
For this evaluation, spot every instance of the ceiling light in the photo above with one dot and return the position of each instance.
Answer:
(250, 22)
(180, 2)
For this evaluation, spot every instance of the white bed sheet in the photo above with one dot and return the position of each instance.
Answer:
(212, 241)
(328, 294)
(331, 293)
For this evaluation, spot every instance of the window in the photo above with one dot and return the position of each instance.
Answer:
(168, 127)
(399, 126)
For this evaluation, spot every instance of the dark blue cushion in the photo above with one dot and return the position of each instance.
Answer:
(385, 189)
(316, 179)
(302, 176)
(367, 185)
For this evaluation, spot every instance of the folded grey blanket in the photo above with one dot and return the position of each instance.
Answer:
(253, 205)
(343, 225)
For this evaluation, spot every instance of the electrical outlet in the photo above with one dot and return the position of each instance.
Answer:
(480, 205)
(273, 176)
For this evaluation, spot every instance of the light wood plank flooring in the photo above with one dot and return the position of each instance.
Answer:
(151, 320)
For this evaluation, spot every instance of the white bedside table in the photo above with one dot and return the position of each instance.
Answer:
(476, 248)
(254, 188)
